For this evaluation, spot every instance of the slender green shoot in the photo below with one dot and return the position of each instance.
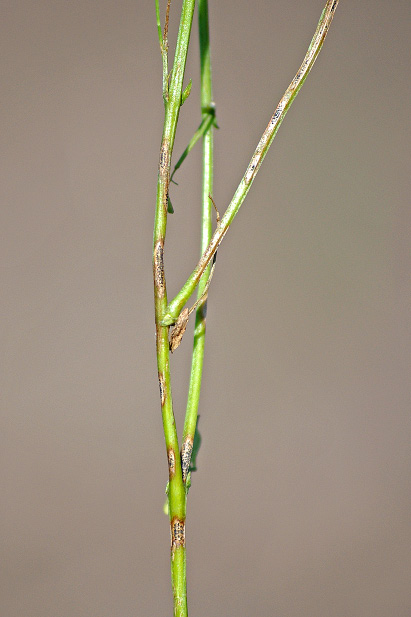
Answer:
(208, 113)
(160, 34)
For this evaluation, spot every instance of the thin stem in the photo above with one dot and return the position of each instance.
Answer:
(160, 34)
(208, 113)
(175, 306)
(176, 490)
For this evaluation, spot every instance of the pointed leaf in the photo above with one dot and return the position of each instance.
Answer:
(186, 92)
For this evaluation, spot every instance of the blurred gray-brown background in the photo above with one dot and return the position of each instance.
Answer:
(301, 503)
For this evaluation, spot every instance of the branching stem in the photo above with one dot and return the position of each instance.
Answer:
(177, 303)
(168, 314)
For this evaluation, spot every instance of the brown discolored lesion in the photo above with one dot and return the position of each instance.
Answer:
(158, 267)
(171, 457)
(165, 33)
(177, 332)
(164, 173)
(162, 386)
(186, 451)
(164, 158)
(177, 528)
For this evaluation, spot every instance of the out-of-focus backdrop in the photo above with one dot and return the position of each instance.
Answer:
(301, 502)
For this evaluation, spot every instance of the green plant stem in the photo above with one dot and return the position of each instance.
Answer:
(208, 113)
(177, 303)
(176, 488)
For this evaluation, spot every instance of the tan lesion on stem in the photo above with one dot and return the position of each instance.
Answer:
(178, 533)
(186, 451)
(177, 332)
(171, 457)
(165, 32)
(164, 173)
(162, 386)
(164, 159)
(158, 267)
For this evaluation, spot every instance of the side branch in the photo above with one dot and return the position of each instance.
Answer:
(175, 306)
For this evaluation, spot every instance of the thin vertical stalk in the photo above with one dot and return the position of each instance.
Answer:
(207, 111)
(176, 487)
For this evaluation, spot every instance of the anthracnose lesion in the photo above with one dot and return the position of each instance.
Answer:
(250, 171)
(161, 385)
(186, 451)
(177, 527)
(164, 173)
(164, 158)
(177, 332)
(276, 114)
(171, 463)
(159, 268)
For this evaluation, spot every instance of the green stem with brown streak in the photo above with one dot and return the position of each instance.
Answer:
(176, 487)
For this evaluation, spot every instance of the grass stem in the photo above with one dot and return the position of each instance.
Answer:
(208, 114)
(176, 487)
